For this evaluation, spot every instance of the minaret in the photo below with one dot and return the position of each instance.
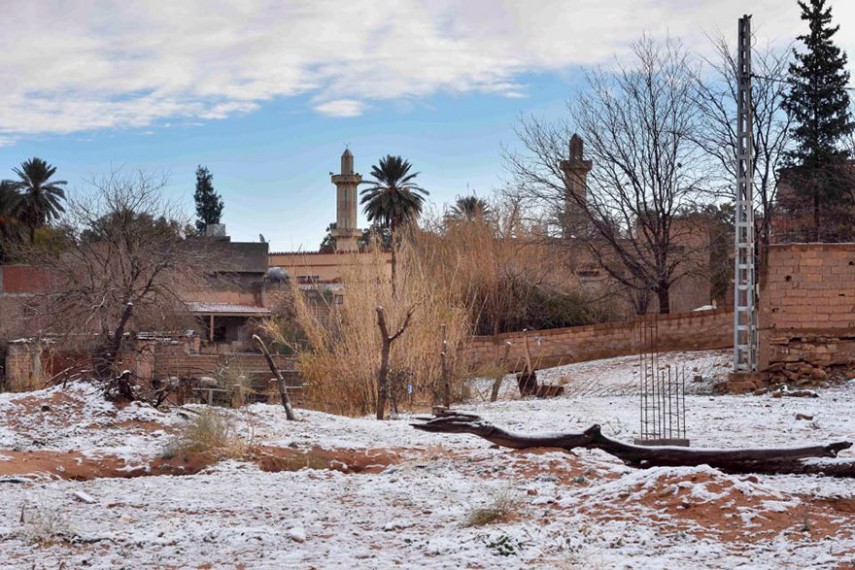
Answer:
(346, 233)
(576, 182)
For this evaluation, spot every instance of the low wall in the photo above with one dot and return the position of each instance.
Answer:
(705, 330)
(32, 364)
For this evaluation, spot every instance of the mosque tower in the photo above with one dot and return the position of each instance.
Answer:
(346, 233)
(576, 182)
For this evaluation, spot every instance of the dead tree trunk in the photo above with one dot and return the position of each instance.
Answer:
(735, 461)
(280, 380)
(500, 373)
(527, 379)
(385, 350)
(443, 362)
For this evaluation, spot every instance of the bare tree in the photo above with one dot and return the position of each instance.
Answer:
(122, 265)
(716, 96)
(386, 347)
(639, 123)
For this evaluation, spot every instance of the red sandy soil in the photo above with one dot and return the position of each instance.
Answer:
(678, 511)
(74, 466)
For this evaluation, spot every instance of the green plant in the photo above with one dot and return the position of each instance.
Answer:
(504, 545)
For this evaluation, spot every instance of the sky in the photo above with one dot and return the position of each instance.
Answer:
(268, 94)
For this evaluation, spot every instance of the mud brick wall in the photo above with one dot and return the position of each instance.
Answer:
(24, 367)
(705, 330)
(807, 307)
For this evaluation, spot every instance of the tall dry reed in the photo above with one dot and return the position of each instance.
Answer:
(341, 356)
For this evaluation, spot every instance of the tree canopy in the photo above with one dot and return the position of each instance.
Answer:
(34, 199)
(818, 104)
(818, 101)
(469, 208)
(209, 204)
(393, 197)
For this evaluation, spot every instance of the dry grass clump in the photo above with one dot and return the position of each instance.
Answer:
(46, 526)
(209, 432)
(503, 507)
(340, 359)
(238, 382)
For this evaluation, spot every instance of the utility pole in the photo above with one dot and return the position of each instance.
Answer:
(744, 286)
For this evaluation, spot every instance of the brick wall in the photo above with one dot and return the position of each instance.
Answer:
(17, 279)
(689, 331)
(807, 306)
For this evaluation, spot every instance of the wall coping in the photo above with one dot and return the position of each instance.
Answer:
(812, 246)
(667, 318)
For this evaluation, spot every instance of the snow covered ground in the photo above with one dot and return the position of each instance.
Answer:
(565, 510)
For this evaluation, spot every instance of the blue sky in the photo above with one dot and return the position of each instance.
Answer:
(267, 94)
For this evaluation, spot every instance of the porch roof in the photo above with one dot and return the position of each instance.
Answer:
(226, 309)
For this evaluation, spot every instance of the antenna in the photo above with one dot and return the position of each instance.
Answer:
(744, 277)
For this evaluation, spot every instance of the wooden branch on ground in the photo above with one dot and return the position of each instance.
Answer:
(735, 461)
(280, 380)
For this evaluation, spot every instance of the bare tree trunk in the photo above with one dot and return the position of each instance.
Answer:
(497, 381)
(387, 339)
(383, 374)
(105, 367)
(443, 361)
(769, 461)
(816, 237)
(280, 380)
(664, 295)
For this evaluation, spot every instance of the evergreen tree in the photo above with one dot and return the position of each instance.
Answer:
(818, 104)
(209, 204)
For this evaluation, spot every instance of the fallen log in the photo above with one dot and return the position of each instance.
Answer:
(734, 461)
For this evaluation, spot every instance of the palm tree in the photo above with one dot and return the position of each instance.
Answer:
(8, 199)
(470, 208)
(39, 199)
(9, 227)
(393, 199)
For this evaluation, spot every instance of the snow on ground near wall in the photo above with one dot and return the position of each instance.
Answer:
(581, 510)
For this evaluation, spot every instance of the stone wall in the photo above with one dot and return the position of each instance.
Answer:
(807, 310)
(703, 330)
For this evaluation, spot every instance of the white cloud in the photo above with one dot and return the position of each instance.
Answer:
(341, 108)
(74, 65)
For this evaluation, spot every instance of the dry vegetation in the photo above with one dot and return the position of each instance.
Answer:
(340, 357)
(482, 275)
(210, 432)
(502, 508)
(509, 275)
